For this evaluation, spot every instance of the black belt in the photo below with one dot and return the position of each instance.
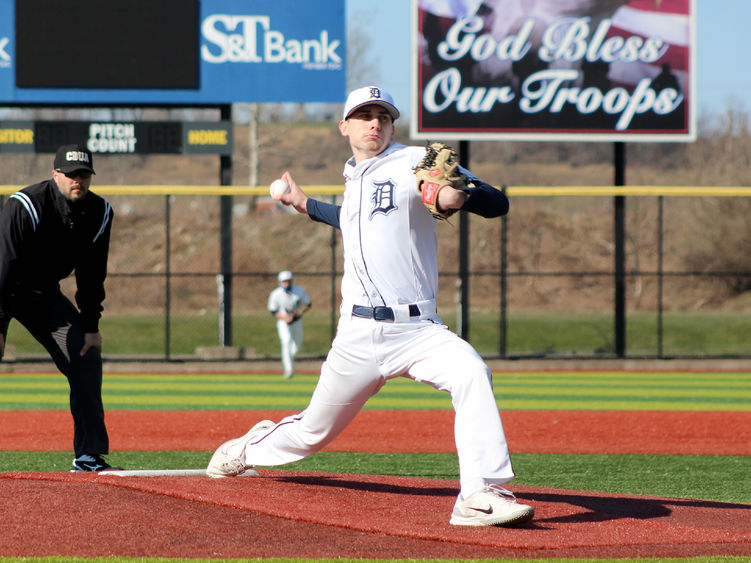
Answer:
(381, 313)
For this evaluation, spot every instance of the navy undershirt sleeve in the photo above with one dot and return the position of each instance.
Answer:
(324, 212)
(486, 201)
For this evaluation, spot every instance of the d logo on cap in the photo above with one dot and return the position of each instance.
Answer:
(370, 95)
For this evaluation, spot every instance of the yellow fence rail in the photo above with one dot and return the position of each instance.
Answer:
(516, 191)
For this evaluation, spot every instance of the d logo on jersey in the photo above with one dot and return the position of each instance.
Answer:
(382, 198)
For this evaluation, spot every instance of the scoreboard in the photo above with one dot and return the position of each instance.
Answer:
(140, 137)
(112, 44)
(171, 52)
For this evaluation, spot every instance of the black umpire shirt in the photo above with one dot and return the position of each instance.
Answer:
(44, 238)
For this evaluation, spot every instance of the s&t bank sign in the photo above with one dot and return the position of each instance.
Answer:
(251, 39)
(216, 52)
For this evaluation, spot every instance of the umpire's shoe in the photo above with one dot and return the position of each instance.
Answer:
(91, 463)
(229, 459)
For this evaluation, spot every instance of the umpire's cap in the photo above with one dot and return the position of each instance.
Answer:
(70, 158)
(370, 95)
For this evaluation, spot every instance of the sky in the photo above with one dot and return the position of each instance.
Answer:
(721, 28)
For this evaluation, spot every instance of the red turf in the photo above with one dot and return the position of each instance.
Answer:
(608, 432)
(282, 514)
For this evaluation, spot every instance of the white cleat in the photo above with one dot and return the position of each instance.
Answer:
(491, 506)
(229, 458)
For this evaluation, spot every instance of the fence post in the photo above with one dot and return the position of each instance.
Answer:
(463, 274)
(333, 286)
(167, 278)
(619, 225)
(660, 273)
(503, 340)
(225, 243)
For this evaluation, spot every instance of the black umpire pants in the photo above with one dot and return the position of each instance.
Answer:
(55, 323)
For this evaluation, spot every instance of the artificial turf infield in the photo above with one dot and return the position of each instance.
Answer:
(313, 514)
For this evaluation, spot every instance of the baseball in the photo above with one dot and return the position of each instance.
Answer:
(278, 188)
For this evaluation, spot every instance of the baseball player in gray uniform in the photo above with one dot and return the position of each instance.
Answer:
(388, 324)
(288, 302)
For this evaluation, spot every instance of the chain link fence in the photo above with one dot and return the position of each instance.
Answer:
(541, 282)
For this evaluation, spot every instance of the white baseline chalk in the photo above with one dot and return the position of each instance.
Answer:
(169, 473)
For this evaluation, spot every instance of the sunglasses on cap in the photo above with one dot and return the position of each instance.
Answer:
(83, 174)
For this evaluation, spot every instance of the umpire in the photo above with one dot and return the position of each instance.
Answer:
(47, 231)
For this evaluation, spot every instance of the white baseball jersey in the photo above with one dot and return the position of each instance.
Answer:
(390, 254)
(292, 301)
(390, 250)
(288, 301)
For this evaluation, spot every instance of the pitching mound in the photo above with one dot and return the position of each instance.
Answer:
(299, 514)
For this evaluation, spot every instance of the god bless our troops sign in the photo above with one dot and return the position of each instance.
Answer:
(557, 69)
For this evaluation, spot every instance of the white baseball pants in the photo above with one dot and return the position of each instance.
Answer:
(290, 337)
(367, 353)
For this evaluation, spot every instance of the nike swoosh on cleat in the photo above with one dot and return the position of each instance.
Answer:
(488, 510)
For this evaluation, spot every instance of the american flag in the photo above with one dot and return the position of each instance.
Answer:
(670, 21)
(666, 19)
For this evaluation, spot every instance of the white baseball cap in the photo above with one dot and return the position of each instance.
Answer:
(284, 275)
(370, 95)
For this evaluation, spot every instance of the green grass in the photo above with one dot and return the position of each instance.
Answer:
(684, 334)
(707, 477)
(729, 391)
(687, 334)
(146, 334)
